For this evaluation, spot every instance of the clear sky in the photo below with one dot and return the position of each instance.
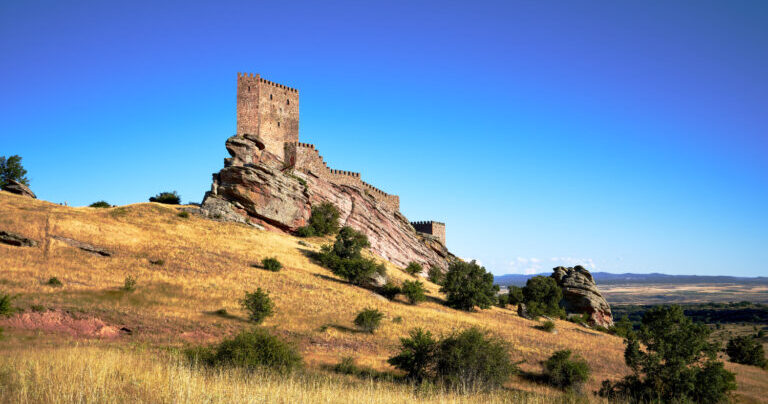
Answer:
(626, 136)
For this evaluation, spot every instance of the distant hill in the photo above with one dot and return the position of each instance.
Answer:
(607, 278)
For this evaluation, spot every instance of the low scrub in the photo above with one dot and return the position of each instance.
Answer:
(344, 257)
(414, 268)
(251, 350)
(54, 281)
(323, 220)
(5, 304)
(390, 290)
(129, 284)
(435, 275)
(183, 214)
(547, 326)
(369, 320)
(414, 291)
(271, 264)
(100, 204)
(170, 198)
(746, 350)
(258, 305)
(566, 372)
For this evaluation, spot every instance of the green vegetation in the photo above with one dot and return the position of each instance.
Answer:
(622, 328)
(414, 291)
(468, 285)
(5, 304)
(323, 220)
(271, 264)
(251, 350)
(344, 257)
(417, 354)
(542, 296)
(183, 214)
(414, 268)
(170, 198)
(547, 326)
(677, 364)
(11, 169)
(54, 281)
(389, 290)
(566, 373)
(710, 313)
(515, 295)
(746, 350)
(435, 275)
(129, 284)
(258, 305)
(369, 320)
(100, 204)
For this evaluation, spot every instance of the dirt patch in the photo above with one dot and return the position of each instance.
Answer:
(62, 322)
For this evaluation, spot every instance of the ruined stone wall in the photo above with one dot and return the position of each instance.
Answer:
(436, 229)
(248, 103)
(305, 157)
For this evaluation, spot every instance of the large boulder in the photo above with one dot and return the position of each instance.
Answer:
(256, 187)
(16, 240)
(581, 295)
(16, 187)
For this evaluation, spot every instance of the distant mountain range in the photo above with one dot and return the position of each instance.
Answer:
(607, 278)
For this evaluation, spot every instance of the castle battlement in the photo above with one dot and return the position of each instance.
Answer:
(436, 229)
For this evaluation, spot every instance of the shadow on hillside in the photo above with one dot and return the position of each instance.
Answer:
(341, 328)
(222, 313)
(332, 279)
(532, 377)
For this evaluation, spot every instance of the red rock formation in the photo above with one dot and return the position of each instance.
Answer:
(581, 295)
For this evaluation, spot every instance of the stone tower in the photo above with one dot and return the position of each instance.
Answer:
(267, 110)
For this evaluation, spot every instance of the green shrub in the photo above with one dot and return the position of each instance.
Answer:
(677, 364)
(271, 264)
(473, 360)
(397, 320)
(258, 305)
(414, 291)
(468, 285)
(414, 268)
(565, 373)
(502, 300)
(347, 366)
(11, 169)
(436, 275)
(183, 214)
(369, 320)
(100, 204)
(622, 328)
(158, 262)
(344, 258)
(5, 304)
(129, 284)
(251, 350)
(547, 326)
(746, 350)
(515, 295)
(417, 355)
(170, 198)
(323, 220)
(389, 290)
(54, 281)
(542, 296)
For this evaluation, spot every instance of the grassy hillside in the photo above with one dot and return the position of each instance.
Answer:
(66, 343)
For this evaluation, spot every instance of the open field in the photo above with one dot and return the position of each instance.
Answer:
(677, 293)
(66, 343)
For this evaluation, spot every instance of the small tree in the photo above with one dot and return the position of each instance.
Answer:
(542, 296)
(416, 355)
(170, 198)
(390, 290)
(12, 170)
(677, 364)
(414, 291)
(502, 299)
(100, 204)
(622, 328)
(746, 350)
(129, 284)
(515, 295)
(323, 220)
(468, 285)
(344, 258)
(258, 305)
(473, 359)
(5, 304)
(369, 320)
(271, 264)
(436, 275)
(564, 372)
(414, 268)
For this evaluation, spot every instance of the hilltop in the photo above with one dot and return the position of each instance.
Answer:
(86, 332)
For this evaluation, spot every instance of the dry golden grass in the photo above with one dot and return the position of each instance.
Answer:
(207, 267)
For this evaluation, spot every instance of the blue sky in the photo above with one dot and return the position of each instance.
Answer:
(626, 136)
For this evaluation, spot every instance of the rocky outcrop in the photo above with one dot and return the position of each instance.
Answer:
(581, 295)
(16, 240)
(255, 186)
(83, 246)
(18, 188)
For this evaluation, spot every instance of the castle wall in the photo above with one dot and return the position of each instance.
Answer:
(248, 104)
(436, 229)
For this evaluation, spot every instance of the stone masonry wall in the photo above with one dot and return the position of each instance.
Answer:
(436, 229)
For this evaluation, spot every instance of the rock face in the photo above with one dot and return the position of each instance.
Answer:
(16, 240)
(84, 246)
(255, 187)
(581, 295)
(16, 187)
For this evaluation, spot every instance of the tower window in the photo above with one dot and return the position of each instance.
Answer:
(270, 96)
(278, 124)
(287, 102)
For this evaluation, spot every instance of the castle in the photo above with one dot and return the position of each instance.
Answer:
(271, 111)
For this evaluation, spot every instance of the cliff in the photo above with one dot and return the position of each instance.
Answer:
(255, 186)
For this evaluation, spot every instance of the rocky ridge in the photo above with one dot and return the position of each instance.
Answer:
(581, 295)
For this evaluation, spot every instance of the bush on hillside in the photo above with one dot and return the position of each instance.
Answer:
(622, 328)
(468, 285)
(323, 220)
(414, 268)
(271, 264)
(369, 320)
(417, 355)
(436, 275)
(414, 291)
(677, 362)
(170, 198)
(258, 305)
(344, 257)
(389, 290)
(11, 169)
(547, 326)
(566, 373)
(5, 304)
(129, 284)
(746, 350)
(542, 296)
(515, 295)
(502, 299)
(100, 204)
(183, 214)
(54, 281)
(251, 350)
